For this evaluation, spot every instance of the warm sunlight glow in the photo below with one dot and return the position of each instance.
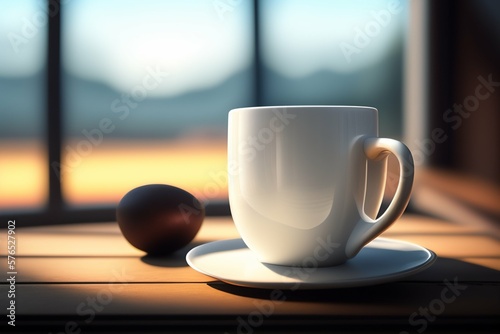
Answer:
(107, 173)
(23, 174)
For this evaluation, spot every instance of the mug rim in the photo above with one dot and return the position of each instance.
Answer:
(306, 106)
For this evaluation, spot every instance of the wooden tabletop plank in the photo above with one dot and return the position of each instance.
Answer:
(69, 273)
(95, 252)
(105, 269)
(122, 298)
(98, 239)
(105, 239)
(175, 269)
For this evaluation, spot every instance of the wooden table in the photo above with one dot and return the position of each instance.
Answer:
(86, 277)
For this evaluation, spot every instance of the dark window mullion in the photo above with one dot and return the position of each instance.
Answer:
(53, 112)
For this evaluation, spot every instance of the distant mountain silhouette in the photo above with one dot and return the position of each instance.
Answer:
(22, 106)
(87, 102)
(379, 86)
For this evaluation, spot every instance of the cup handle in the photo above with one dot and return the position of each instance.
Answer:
(367, 228)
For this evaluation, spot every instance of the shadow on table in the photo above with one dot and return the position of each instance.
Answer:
(415, 287)
(176, 259)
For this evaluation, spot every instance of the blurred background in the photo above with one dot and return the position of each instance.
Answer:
(141, 89)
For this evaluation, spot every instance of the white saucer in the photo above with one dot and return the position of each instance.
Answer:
(382, 260)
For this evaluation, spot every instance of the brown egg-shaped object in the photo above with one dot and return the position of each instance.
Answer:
(159, 219)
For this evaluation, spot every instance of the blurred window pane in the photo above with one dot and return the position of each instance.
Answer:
(147, 86)
(23, 160)
(344, 52)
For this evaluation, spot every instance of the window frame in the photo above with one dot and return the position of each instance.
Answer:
(56, 211)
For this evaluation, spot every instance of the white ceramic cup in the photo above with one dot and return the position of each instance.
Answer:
(306, 182)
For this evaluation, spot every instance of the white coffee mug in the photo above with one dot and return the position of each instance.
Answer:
(306, 182)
